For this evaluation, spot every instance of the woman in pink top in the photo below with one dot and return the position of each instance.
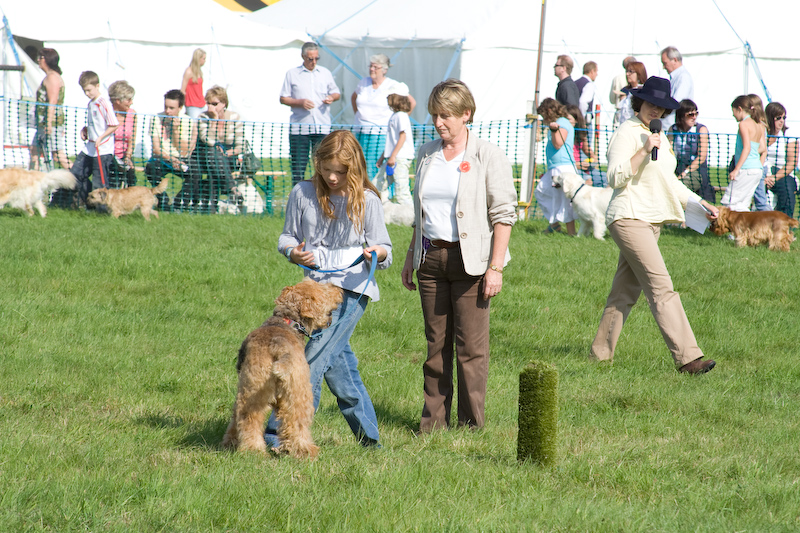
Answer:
(123, 172)
(192, 84)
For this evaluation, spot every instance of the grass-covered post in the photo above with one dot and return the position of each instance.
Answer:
(538, 413)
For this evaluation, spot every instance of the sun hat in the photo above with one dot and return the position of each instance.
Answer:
(656, 91)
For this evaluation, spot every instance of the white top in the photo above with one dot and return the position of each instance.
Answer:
(398, 124)
(101, 115)
(681, 88)
(314, 85)
(438, 198)
(587, 96)
(776, 154)
(373, 109)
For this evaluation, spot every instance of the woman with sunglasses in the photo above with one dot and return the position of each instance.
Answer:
(690, 144)
(221, 142)
(781, 159)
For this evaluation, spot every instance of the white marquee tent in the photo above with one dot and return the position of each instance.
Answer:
(149, 43)
(492, 46)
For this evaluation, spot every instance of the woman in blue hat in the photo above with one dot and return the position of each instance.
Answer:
(647, 194)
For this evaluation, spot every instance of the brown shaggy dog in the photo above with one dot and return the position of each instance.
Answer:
(126, 201)
(273, 372)
(26, 189)
(754, 228)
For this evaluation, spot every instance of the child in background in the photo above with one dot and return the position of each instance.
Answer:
(98, 154)
(331, 220)
(750, 142)
(762, 200)
(398, 153)
(585, 158)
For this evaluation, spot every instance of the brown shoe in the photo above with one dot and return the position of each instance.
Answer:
(698, 366)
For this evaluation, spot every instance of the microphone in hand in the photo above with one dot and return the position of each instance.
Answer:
(655, 127)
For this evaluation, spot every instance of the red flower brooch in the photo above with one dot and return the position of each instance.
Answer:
(464, 166)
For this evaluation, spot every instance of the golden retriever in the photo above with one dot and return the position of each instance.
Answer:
(26, 189)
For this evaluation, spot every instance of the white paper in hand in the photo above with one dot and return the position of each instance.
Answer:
(696, 216)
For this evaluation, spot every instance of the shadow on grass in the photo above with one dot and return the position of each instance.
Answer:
(194, 434)
(13, 212)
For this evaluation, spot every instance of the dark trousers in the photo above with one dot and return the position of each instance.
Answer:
(218, 167)
(456, 323)
(86, 166)
(784, 189)
(156, 169)
(300, 149)
(119, 175)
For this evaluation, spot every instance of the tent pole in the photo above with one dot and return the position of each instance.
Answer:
(535, 121)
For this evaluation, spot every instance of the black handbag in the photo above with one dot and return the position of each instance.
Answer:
(250, 164)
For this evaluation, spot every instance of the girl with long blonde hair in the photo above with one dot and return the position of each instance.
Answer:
(333, 220)
(192, 84)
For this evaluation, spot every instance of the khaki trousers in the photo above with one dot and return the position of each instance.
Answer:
(456, 316)
(641, 268)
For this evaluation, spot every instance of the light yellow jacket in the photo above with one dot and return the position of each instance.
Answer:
(653, 193)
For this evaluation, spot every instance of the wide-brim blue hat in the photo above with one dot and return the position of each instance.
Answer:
(656, 91)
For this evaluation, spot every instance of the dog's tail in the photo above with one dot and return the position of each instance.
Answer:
(59, 179)
(793, 223)
(161, 187)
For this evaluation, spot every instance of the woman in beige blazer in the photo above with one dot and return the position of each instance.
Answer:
(464, 207)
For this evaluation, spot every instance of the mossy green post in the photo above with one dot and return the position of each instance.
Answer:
(538, 413)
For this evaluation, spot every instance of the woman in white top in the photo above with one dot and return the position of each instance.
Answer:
(371, 109)
(781, 160)
(464, 207)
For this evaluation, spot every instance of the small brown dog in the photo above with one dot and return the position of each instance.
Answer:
(753, 228)
(126, 201)
(26, 189)
(273, 372)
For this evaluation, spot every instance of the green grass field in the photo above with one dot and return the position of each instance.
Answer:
(119, 338)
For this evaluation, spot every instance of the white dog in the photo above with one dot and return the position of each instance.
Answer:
(253, 203)
(26, 189)
(588, 203)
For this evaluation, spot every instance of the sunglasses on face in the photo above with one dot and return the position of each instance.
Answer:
(782, 117)
(692, 114)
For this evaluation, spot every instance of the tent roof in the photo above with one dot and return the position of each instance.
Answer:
(694, 26)
(156, 21)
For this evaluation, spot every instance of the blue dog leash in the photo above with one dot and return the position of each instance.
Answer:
(373, 265)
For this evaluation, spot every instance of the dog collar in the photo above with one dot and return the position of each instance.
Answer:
(576, 192)
(297, 326)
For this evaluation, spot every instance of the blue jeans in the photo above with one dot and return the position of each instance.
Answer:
(760, 196)
(330, 356)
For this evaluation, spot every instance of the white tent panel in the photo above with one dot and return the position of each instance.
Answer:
(151, 44)
(500, 39)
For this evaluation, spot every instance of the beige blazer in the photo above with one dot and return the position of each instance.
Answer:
(486, 196)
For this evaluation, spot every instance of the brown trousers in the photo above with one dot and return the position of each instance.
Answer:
(641, 268)
(456, 316)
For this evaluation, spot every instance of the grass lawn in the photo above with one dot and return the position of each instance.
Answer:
(118, 340)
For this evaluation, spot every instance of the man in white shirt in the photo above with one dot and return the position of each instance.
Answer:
(309, 90)
(586, 85)
(681, 84)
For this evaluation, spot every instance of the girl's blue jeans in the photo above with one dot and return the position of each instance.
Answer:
(330, 357)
